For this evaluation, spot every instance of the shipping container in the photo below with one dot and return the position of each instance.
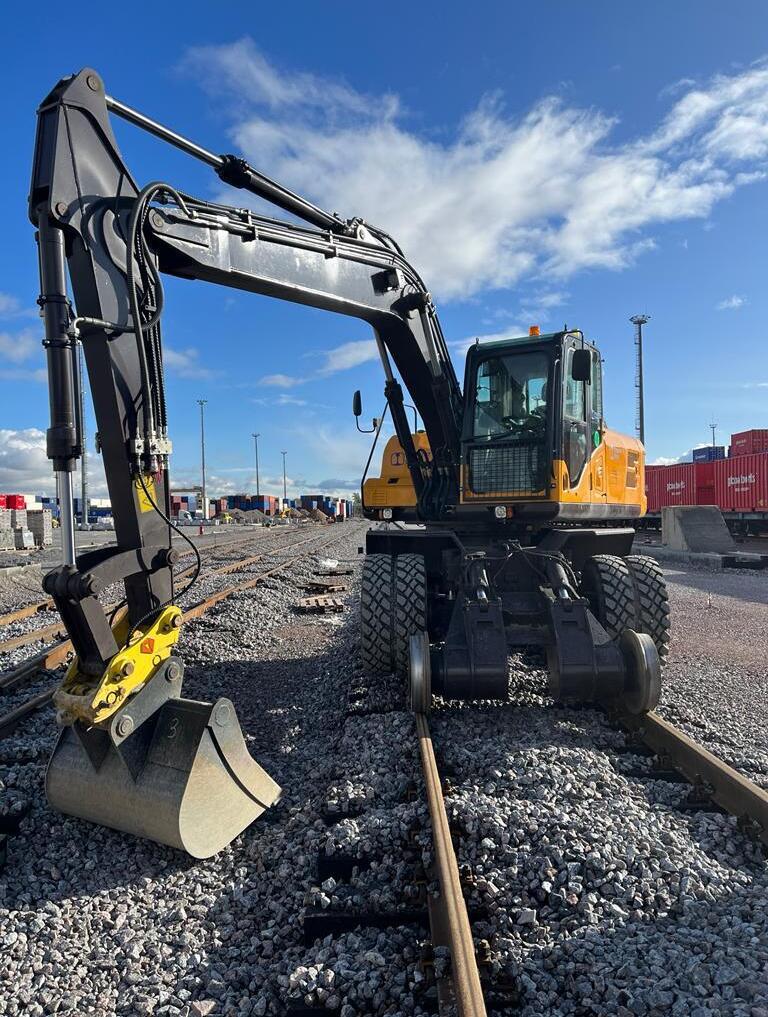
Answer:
(670, 485)
(749, 442)
(741, 483)
(708, 453)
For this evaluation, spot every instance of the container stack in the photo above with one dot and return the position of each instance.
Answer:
(747, 443)
(736, 484)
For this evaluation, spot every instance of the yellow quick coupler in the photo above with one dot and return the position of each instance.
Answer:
(78, 699)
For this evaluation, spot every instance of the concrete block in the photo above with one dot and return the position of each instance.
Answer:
(695, 528)
(23, 539)
(7, 541)
(39, 522)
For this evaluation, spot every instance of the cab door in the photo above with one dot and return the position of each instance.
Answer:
(596, 428)
(575, 428)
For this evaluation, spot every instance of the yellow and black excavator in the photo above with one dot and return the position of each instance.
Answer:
(596, 474)
(511, 482)
(527, 546)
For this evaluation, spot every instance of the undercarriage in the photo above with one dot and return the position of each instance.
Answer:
(446, 609)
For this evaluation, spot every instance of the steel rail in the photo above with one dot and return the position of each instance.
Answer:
(40, 606)
(49, 659)
(27, 612)
(465, 975)
(728, 788)
(45, 633)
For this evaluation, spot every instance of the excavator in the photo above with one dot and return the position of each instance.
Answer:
(514, 482)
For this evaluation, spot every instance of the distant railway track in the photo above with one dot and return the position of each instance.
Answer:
(53, 656)
(41, 606)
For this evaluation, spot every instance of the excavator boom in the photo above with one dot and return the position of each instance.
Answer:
(115, 240)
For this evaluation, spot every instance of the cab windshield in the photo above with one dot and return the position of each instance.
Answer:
(511, 396)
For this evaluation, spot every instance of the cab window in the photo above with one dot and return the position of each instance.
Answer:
(511, 395)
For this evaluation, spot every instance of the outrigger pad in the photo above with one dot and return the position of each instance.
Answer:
(181, 776)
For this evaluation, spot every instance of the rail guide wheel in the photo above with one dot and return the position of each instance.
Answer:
(419, 673)
(642, 688)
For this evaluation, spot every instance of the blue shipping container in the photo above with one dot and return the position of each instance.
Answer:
(708, 453)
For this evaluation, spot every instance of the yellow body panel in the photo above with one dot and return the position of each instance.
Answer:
(393, 489)
(614, 475)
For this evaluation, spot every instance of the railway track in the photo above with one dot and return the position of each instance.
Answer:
(52, 657)
(712, 780)
(458, 961)
(41, 607)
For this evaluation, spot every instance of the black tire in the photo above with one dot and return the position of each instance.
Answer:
(651, 601)
(377, 614)
(411, 605)
(608, 586)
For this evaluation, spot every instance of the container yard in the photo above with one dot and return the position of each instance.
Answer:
(460, 709)
(737, 485)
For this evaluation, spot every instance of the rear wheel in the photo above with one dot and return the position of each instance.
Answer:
(607, 583)
(377, 614)
(411, 605)
(393, 605)
(651, 601)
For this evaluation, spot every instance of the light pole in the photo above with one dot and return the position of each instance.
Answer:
(638, 320)
(256, 446)
(285, 488)
(201, 403)
(713, 426)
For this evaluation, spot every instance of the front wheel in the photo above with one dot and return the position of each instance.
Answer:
(651, 601)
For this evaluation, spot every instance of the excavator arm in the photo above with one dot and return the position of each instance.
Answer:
(115, 241)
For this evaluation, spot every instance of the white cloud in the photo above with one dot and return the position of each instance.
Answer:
(685, 457)
(731, 303)
(281, 380)
(348, 355)
(9, 305)
(24, 467)
(185, 363)
(288, 400)
(16, 347)
(460, 346)
(341, 358)
(542, 191)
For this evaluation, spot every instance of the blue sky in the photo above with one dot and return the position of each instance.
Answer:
(545, 163)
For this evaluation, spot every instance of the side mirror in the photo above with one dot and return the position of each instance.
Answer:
(357, 403)
(581, 365)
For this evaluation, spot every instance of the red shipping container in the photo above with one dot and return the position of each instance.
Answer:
(15, 501)
(741, 483)
(746, 443)
(3, 500)
(670, 485)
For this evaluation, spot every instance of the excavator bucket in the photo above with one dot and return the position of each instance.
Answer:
(173, 770)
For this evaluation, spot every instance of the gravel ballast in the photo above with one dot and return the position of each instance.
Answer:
(597, 890)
